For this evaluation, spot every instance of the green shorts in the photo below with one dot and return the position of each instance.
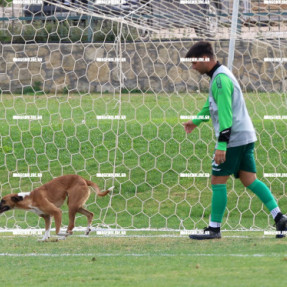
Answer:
(237, 158)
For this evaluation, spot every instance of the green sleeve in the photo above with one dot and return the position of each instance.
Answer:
(203, 115)
(222, 90)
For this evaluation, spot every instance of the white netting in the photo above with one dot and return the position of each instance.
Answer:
(102, 90)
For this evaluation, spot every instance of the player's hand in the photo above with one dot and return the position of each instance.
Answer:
(220, 156)
(189, 126)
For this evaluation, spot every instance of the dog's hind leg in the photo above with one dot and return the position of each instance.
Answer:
(77, 197)
(89, 216)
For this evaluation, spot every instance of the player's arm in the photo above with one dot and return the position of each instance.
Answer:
(222, 90)
(202, 116)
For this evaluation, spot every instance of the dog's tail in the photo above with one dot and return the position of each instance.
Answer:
(97, 189)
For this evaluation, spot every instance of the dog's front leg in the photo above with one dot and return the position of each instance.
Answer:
(47, 235)
(58, 220)
(51, 210)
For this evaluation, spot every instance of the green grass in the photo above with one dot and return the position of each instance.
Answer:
(152, 149)
(168, 262)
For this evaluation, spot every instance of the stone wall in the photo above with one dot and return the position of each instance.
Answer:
(149, 66)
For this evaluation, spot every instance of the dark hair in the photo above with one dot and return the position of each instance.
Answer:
(200, 49)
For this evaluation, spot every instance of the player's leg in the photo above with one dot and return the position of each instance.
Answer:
(220, 175)
(219, 200)
(218, 205)
(258, 187)
(247, 175)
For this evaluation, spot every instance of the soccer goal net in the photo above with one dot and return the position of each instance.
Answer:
(101, 89)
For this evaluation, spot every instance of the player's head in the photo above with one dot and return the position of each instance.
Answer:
(202, 56)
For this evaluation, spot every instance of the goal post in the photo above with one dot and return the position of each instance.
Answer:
(101, 89)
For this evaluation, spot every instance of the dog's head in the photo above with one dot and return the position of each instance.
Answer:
(9, 201)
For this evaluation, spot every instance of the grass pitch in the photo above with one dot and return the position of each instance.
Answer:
(169, 262)
(152, 149)
(149, 146)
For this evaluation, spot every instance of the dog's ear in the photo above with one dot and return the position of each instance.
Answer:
(16, 198)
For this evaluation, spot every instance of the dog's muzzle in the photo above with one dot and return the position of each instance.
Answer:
(4, 208)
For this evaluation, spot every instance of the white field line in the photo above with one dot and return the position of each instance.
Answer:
(157, 236)
(138, 255)
(135, 236)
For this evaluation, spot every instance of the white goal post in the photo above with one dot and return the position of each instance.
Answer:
(101, 88)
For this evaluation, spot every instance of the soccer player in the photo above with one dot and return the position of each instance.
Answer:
(234, 150)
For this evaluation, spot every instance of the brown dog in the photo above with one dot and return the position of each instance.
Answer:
(47, 199)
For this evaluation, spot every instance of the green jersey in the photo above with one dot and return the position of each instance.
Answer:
(226, 107)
